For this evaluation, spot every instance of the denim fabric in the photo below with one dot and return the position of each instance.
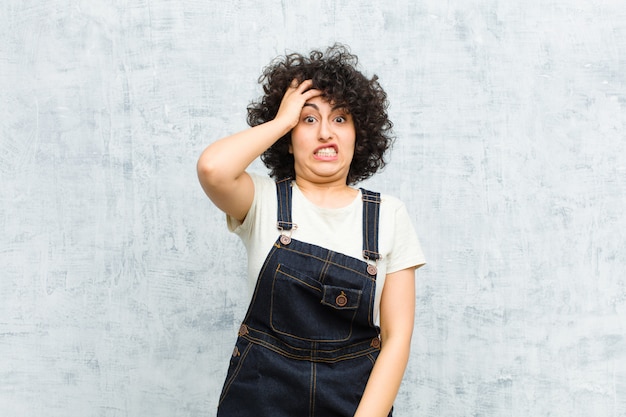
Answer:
(308, 343)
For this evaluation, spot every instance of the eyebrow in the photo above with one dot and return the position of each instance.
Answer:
(332, 109)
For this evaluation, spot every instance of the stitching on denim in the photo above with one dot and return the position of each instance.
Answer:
(307, 354)
(326, 266)
(318, 340)
(370, 197)
(375, 231)
(365, 231)
(282, 271)
(358, 293)
(313, 389)
(279, 207)
(283, 332)
(284, 205)
(236, 372)
(370, 313)
(258, 282)
(309, 358)
(364, 275)
(278, 341)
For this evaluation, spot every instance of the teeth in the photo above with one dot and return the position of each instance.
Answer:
(327, 152)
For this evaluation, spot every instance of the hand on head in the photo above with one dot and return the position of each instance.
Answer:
(295, 97)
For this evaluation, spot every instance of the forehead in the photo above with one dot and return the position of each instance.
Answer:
(320, 103)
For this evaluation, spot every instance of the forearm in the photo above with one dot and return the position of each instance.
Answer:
(222, 165)
(397, 311)
(225, 160)
(384, 381)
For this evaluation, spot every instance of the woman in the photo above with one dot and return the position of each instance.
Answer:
(321, 337)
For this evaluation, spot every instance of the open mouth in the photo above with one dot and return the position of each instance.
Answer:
(326, 152)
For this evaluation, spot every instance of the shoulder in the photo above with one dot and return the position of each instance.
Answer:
(398, 232)
(389, 203)
(264, 192)
(263, 201)
(394, 213)
(262, 183)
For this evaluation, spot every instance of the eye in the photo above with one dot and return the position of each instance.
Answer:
(309, 119)
(340, 119)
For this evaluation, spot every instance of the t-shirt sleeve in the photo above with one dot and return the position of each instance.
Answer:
(406, 251)
(244, 229)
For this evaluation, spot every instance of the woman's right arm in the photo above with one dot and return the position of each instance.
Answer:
(222, 165)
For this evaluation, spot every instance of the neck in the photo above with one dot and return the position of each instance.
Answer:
(327, 195)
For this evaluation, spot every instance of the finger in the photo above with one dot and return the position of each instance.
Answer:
(305, 85)
(309, 94)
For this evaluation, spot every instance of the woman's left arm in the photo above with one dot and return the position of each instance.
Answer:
(397, 311)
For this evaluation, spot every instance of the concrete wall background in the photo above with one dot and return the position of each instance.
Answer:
(120, 292)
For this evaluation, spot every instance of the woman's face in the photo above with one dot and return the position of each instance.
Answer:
(322, 143)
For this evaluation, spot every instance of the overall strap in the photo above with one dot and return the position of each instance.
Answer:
(371, 210)
(283, 194)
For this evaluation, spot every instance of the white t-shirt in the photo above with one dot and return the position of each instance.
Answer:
(339, 230)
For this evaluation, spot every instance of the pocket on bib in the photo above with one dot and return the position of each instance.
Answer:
(304, 308)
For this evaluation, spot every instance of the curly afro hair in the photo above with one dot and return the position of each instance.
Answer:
(333, 72)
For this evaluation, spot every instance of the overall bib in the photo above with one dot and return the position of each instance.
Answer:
(308, 343)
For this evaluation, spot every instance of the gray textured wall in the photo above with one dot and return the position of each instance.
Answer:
(120, 289)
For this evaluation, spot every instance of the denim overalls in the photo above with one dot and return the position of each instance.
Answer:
(308, 343)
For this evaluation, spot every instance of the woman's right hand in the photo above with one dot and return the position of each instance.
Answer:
(222, 165)
(295, 97)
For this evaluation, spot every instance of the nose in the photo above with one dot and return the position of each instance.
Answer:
(325, 132)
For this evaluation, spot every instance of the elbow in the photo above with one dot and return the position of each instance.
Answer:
(210, 172)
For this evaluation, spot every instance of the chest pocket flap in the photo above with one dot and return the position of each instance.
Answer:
(341, 298)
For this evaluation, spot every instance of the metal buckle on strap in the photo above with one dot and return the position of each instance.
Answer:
(368, 254)
(285, 225)
(285, 238)
(372, 269)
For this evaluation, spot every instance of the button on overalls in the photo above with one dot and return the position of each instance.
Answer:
(308, 343)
